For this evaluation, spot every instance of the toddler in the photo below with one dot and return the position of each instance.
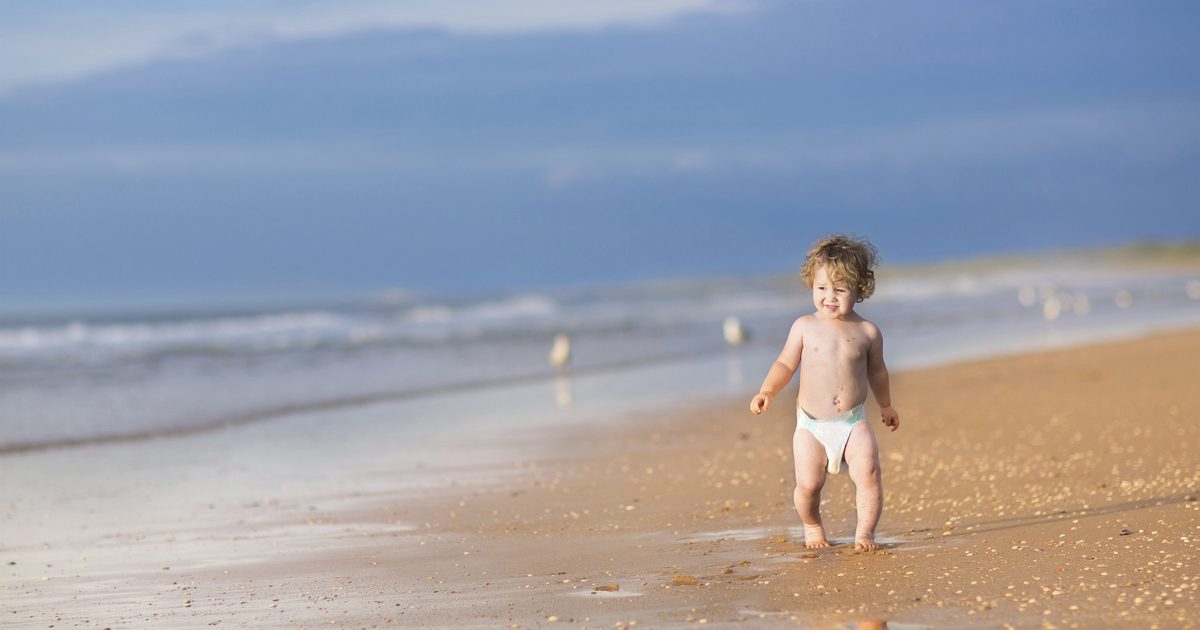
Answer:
(839, 355)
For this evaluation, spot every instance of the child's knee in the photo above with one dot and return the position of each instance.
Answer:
(866, 472)
(806, 490)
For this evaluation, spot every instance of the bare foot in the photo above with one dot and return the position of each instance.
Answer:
(865, 544)
(814, 536)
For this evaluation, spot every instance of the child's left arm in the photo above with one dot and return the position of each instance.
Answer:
(877, 376)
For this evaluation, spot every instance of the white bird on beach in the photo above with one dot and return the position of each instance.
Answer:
(560, 352)
(1027, 296)
(1193, 289)
(1051, 309)
(735, 334)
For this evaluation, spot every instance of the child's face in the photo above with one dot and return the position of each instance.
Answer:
(834, 299)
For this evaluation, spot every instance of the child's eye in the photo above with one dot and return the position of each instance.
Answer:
(841, 290)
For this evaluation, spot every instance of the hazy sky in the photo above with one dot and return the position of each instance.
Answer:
(190, 148)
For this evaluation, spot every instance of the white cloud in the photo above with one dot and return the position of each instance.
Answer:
(49, 44)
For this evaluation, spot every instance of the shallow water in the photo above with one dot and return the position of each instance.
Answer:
(71, 378)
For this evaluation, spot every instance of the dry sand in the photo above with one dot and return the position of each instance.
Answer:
(1046, 490)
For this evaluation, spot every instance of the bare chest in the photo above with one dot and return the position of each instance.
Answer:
(836, 347)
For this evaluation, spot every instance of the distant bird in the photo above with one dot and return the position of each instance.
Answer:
(560, 352)
(735, 334)
(1027, 296)
(1124, 299)
(1051, 309)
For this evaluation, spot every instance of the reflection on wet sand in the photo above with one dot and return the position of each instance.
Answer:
(562, 390)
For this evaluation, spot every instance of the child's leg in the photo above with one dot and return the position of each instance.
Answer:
(810, 477)
(862, 457)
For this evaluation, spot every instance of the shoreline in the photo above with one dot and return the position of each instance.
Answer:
(673, 518)
(348, 403)
(77, 381)
(1005, 344)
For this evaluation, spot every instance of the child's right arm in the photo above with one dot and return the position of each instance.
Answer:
(781, 371)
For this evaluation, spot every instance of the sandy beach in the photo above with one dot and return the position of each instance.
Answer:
(1054, 489)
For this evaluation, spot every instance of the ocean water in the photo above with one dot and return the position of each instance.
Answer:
(79, 377)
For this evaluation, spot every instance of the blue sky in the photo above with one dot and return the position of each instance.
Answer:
(238, 148)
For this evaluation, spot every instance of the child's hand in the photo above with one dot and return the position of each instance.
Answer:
(761, 402)
(890, 417)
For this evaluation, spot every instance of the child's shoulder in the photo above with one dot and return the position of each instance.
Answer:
(869, 327)
(805, 321)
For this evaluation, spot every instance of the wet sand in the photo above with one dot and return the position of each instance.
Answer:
(1046, 490)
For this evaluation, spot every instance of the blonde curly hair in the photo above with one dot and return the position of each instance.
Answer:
(848, 259)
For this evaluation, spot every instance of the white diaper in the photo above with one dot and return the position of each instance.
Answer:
(832, 433)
